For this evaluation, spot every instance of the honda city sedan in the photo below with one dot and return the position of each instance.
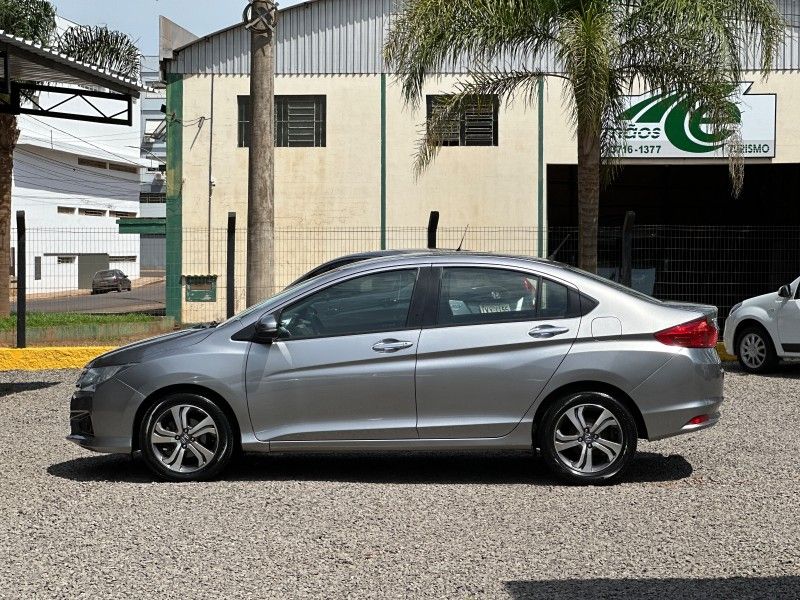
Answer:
(433, 351)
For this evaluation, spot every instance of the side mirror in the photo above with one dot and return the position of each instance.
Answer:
(785, 292)
(266, 329)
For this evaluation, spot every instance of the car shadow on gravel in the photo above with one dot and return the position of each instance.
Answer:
(657, 589)
(788, 370)
(15, 387)
(404, 468)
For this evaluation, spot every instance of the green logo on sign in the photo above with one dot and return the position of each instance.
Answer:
(682, 123)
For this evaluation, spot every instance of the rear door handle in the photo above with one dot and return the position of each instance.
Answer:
(391, 345)
(547, 331)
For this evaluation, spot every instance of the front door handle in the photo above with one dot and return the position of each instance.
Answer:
(547, 331)
(391, 345)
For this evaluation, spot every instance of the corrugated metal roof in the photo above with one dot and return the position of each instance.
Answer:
(30, 61)
(346, 37)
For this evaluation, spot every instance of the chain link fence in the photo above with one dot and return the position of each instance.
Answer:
(99, 281)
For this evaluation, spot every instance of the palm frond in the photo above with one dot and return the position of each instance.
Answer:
(30, 19)
(112, 50)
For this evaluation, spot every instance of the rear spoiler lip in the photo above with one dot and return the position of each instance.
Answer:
(708, 310)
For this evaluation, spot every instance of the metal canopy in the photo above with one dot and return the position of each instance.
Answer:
(26, 64)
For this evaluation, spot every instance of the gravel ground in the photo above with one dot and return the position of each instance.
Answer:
(714, 514)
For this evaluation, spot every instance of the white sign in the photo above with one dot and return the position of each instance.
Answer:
(663, 125)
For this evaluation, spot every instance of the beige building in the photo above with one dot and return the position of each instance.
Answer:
(344, 177)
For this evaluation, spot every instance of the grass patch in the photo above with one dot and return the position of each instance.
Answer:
(60, 319)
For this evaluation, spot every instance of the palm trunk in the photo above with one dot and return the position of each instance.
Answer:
(8, 140)
(588, 195)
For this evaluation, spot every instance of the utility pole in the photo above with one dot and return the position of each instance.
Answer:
(260, 17)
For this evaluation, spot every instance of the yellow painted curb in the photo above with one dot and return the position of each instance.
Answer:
(724, 356)
(40, 359)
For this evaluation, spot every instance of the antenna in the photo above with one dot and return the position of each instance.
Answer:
(564, 241)
(461, 243)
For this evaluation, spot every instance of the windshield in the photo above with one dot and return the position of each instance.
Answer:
(285, 293)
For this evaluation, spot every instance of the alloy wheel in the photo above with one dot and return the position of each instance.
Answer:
(753, 350)
(184, 438)
(588, 438)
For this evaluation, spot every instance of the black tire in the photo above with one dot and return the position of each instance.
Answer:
(119, 288)
(572, 464)
(754, 335)
(220, 443)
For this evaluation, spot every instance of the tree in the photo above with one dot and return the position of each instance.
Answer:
(35, 20)
(605, 49)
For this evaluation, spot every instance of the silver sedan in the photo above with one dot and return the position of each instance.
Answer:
(434, 351)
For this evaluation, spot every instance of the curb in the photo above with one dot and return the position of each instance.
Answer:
(42, 359)
(724, 356)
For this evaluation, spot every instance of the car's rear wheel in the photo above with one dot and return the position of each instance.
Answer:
(755, 350)
(186, 437)
(587, 437)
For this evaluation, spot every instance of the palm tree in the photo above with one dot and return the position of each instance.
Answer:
(604, 49)
(35, 20)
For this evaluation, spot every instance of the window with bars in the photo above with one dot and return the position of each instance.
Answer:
(300, 121)
(475, 126)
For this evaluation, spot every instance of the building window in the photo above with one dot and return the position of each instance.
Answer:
(66, 260)
(121, 214)
(300, 121)
(123, 168)
(66, 210)
(244, 121)
(117, 259)
(37, 268)
(475, 126)
(97, 164)
(92, 212)
(149, 198)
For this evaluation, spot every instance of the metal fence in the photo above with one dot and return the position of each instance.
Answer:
(715, 265)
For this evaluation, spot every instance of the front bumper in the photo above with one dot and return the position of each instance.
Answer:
(102, 420)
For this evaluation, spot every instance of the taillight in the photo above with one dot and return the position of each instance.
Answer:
(694, 334)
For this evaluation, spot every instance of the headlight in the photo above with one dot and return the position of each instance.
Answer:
(93, 377)
(735, 308)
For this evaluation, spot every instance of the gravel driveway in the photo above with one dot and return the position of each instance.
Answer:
(714, 514)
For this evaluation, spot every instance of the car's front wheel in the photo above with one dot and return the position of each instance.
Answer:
(587, 437)
(186, 437)
(755, 350)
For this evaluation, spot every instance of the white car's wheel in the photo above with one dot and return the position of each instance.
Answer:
(755, 350)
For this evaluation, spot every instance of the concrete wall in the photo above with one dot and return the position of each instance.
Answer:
(339, 186)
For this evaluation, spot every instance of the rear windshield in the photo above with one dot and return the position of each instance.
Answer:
(617, 286)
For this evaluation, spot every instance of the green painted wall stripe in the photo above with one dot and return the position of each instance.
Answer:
(540, 190)
(174, 232)
(383, 161)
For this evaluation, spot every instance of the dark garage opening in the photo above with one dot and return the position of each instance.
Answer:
(693, 240)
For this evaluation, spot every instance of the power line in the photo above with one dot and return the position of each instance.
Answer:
(70, 165)
(127, 160)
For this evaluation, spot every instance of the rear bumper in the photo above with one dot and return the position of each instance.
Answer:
(689, 385)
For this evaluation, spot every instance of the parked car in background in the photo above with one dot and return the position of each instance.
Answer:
(760, 331)
(433, 351)
(110, 280)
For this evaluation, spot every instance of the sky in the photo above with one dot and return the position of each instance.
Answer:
(139, 18)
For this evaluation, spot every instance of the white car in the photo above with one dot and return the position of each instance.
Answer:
(764, 329)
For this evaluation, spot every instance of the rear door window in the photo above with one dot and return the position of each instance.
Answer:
(470, 295)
